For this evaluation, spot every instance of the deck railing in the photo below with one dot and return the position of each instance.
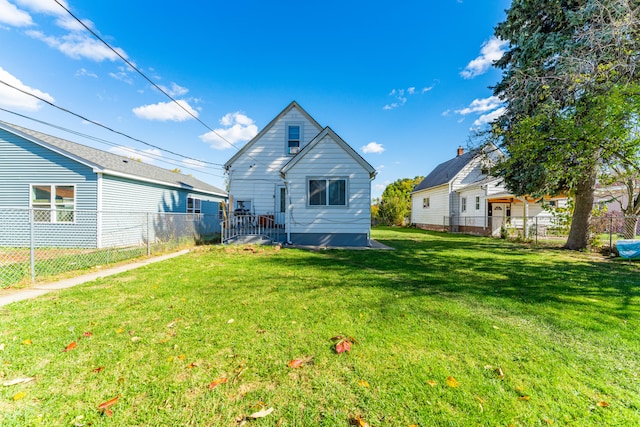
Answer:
(241, 227)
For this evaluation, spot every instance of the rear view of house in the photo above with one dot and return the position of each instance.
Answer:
(301, 180)
(461, 195)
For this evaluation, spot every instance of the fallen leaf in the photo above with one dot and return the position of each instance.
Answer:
(261, 414)
(358, 421)
(295, 363)
(19, 395)
(27, 342)
(119, 331)
(343, 346)
(99, 369)
(363, 383)
(18, 381)
(452, 382)
(135, 339)
(432, 383)
(171, 325)
(86, 334)
(2, 347)
(104, 406)
(602, 404)
(217, 382)
(499, 373)
(70, 346)
(192, 365)
(524, 398)
(229, 321)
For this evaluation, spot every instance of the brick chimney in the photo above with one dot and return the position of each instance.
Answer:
(460, 151)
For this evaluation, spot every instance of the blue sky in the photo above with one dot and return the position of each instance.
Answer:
(404, 83)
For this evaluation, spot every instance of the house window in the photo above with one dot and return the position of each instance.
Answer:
(293, 138)
(243, 207)
(194, 205)
(53, 203)
(328, 192)
(426, 202)
(463, 204)
(477, 203)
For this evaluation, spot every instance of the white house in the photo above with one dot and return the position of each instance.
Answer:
(461, 195)
(303, 179)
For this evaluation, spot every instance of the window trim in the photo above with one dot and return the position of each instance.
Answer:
(477, 203)
(463, 204)
(287, 147)
(196, 207)
(327, 179)
(54, 207)
(426, 202)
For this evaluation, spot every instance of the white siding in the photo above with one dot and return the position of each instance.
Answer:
(438, 206)
(255, 175)
(327, 159)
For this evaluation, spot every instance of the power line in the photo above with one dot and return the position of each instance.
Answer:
(133, 67)
(104, 126)
(162, 159)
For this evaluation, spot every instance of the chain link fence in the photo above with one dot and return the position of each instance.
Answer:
(37, 243)
(605, 230)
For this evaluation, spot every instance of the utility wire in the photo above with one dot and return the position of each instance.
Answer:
(160, 158)
(133, 67)
(103, 126)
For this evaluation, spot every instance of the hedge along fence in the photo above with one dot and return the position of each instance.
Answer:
(36, 243)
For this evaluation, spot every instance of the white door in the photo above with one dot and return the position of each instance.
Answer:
(281, 204)
(497, 218)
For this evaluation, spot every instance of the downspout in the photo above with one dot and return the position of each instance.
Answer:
(287, 223)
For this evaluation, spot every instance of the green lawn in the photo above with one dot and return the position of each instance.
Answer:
(449, 331)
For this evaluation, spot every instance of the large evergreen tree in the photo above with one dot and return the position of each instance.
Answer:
(570, 87)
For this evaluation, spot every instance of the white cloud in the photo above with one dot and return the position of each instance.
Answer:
(481, 105)
(11, 15)
(49, 7)
(12, 98)
(146, 156)
(401, 96)
(238, 128)
(488, 118)
(122, 74)
(372, 147)
(490, 52)
(78, 46)
(84, 72)
(175, 90)
(193, 164)
(166, 111)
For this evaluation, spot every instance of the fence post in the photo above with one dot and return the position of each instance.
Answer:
(32, 251)
(148, 235)
(611, 235)
(536, 230)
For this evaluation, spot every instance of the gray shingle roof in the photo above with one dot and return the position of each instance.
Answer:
(110, 163)
(445, 172)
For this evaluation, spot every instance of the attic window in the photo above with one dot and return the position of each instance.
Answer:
(293, 138)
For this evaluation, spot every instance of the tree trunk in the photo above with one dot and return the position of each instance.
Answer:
(630, 227)
(579, 233)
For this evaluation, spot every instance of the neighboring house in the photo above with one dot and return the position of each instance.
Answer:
(84, 197)
(461, 195)
(303, 179)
